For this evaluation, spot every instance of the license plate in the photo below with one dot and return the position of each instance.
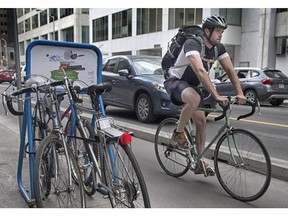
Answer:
(281, 86)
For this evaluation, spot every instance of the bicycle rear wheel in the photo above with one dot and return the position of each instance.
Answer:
(51, 176)
(172, 160)
(242, 165)
(123, 177)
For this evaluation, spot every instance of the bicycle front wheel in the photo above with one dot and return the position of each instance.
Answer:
(124, 178)
(242, 165)
(172, 160)
(54, 188)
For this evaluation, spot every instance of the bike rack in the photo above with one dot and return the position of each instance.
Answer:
(44, 56)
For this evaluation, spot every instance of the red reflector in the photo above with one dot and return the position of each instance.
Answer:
(126, 138)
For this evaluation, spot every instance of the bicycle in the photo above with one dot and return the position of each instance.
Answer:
(113, 168)
(242, 163)
(54, 161)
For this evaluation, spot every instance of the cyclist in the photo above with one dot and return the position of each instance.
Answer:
(182, 83)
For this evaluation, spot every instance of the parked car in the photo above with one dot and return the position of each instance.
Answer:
(262, 84)
(137, 84)
(7, 76)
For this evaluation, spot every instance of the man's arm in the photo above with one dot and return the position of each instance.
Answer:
(228, 67)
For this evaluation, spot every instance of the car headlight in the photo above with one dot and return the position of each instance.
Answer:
(159, 87)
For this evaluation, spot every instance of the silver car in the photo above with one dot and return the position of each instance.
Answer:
(264, 84)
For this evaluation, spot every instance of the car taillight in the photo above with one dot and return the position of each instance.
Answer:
(267, 82)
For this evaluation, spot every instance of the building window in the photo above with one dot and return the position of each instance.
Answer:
(53, 14)
(184, 16)
(35, 21)
(65, 12)
(149, 20)
(26, 10)
(43, 18)
(232, 15)
(85, 10)
(68, 34)
(21, 27)
(21, 48)
(27, 25)
(100, 29)
(122, 24)
(19, 12)
(85, 34)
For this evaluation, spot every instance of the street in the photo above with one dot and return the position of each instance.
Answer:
(189, 191)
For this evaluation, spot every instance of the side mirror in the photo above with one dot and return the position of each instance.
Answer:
(123, 72)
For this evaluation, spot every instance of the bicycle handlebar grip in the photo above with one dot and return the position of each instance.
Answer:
(11, 108)
(225, 108)
(253, 105)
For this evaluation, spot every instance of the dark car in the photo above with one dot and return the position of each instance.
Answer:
(7, 76)
(262, 84)
(137, 84)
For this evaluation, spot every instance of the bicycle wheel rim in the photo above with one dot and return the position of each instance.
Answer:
(124, 178)
(246, 181)
(171, 160)
(52, 189)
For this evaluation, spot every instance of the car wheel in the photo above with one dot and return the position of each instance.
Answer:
(251, 95)
(144, 108)
(277, 102)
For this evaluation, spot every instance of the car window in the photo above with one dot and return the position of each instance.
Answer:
(148, 66)
(242, 74)
(275, 74)
(254, 73)
(124, 64)
(110, 65)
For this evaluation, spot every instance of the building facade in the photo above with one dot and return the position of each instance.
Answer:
(63, 24)
(256, 37)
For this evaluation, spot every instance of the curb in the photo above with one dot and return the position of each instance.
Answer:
(279, 167)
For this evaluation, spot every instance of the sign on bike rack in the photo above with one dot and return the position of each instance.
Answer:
(48, 58)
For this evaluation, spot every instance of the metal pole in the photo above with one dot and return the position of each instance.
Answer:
(6, 53)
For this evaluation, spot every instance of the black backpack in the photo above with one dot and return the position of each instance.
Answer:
(176, 43)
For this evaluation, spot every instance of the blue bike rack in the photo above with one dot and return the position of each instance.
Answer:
(34, 52)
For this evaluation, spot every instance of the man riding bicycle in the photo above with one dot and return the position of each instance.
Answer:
(182, 83)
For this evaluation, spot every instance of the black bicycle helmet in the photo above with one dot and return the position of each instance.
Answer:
(214, 21)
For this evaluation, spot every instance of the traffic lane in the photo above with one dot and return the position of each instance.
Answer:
(196, 191)
(269, 127)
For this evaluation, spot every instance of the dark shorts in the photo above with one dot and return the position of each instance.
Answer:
(174, 88)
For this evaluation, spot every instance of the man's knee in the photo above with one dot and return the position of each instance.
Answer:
(190, 96)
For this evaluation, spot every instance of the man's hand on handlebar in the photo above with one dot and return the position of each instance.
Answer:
(241, 99)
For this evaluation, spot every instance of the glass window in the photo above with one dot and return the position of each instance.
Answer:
(27, 25)
(100, 29)
(26, 10)
(149, 20)
(65, 12)
(68, 34)
(19, 12)
(43, 18)
(21, 27)
(110, 65)
(122, 24)
(35, 21)
(232, 15)
(21, 48)
(184, 16)
(85, 34)
(85, 10)
(53, 14)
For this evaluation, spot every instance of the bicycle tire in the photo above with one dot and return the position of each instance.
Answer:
(79, 145)
(246, 181)
(123, 177)
(172, 161)
(45, 174)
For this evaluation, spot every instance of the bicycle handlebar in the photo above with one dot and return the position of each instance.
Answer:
(7, 99)
(225, 108)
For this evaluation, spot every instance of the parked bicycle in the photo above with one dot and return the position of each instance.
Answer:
(107, 159)
(242, 163)
(55, 165)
